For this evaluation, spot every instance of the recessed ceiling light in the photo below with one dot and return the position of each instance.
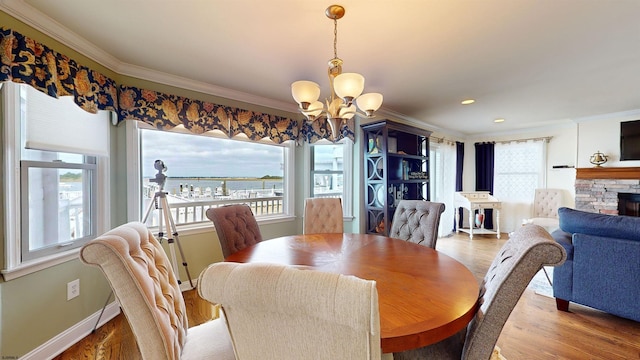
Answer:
(498, 120)
(467, 101)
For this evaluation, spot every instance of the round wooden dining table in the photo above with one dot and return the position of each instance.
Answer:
(424, 296)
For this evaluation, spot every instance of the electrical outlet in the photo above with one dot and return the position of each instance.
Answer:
(73, 289)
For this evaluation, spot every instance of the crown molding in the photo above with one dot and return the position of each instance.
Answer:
(199, 86)
(384, 112)
(39, 21)
(617, 115)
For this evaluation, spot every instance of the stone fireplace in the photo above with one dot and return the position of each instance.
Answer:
(629, 204)
(598, 189)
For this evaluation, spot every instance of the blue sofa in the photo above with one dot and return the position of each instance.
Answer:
(602, 269)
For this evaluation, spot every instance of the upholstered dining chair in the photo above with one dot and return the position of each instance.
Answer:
(520, 258)
(323, 215)
(417, 221)
(546, 203)
(276, 312)
(236, 227)
(142, 279)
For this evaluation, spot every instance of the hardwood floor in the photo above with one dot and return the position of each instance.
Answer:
(114, 340)
(535, 329)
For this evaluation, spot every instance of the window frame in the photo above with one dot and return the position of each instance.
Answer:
(14, 264)
(26, 165)
(347, 173)
(134, 178)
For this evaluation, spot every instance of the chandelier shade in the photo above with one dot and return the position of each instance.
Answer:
(348, 86)
(345, 88)
(369, 102)
(305, 92)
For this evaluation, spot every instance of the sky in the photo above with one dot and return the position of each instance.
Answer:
(204, 156)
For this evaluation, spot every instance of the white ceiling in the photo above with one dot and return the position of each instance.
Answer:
(535, 63)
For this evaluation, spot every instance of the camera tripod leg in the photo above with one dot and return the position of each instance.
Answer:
(184, 261)
(165, 213)
(166, 223)
(176, 239)
(153, 203)
(95, 327)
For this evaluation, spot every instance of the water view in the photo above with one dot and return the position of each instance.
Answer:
(210, 187)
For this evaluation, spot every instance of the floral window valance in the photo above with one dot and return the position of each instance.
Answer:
(24, 60)
(165, 111)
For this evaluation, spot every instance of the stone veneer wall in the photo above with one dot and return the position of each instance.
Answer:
(601, 195)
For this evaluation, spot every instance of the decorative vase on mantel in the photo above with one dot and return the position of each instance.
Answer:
(479, 219)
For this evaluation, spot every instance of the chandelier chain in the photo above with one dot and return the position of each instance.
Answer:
(335, 38)
(346, 100)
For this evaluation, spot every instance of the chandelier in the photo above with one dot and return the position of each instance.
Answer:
(345, 89)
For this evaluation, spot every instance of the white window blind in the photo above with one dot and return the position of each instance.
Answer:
(72, 130)
(519, 170)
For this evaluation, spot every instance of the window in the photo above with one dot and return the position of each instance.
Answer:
(61, 203)
(330, 175)
(56, 156)
(519, 169)
(204, 171)
(442, 180)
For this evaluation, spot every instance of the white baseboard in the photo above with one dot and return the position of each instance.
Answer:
(186, 285)
(71, 336)
(79, 331)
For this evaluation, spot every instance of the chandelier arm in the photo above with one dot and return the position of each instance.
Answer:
(310, 119)
(321, 109)
(356, 112)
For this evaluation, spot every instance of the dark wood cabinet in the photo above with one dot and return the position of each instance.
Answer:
(396, 167)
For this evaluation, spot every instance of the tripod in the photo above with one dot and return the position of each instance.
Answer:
(160, 203)
(165, 221)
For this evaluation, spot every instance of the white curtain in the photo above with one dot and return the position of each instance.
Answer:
(519, 170)
(442, 184)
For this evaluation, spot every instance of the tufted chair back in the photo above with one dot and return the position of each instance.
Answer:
(143, 281)
(545, 208)
(323, 215)
(280, 312)
(529, 248)
(417, 221)
(546, 203)
(236, 226)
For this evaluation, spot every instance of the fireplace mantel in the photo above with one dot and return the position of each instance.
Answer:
(608, 173)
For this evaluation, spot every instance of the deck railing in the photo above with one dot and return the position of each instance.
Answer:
(193, 212)
(188, 211)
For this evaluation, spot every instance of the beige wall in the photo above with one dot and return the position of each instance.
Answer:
(571, 144)
(33, 308)
(40, 298)
(561, 150)
(603, 134)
